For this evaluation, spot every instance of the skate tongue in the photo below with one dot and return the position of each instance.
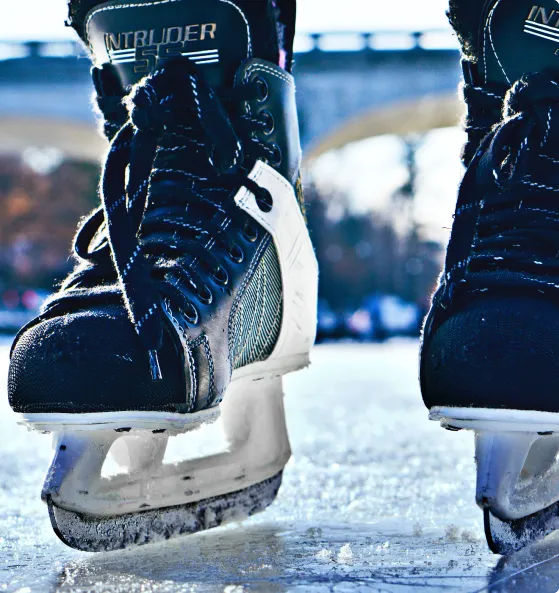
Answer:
(517, 38)
(137, 37)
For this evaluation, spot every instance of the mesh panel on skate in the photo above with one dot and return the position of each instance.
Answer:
(256, 323)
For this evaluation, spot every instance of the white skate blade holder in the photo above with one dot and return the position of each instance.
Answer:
(254, 426)
(516, 457)
(153, 500)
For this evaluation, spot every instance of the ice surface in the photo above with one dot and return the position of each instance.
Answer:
(375, 498)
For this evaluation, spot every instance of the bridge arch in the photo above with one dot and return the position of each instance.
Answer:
(402, 118)
(75, 140)
(343, 95)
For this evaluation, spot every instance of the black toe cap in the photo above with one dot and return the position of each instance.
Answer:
(92, 362)
(495, 353)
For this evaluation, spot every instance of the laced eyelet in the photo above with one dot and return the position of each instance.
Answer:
(263, 88)
(268, 119)
(250, 233)
(207, 297)
(192, 316)
(220, 275)
(275, 156)
(265, 201)
(236, 254)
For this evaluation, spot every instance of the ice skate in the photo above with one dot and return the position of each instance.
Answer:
(491, 340)
(195, 284)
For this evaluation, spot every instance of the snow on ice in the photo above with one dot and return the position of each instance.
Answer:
(375, 498)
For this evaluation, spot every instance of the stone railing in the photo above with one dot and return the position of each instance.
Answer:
(304, 43)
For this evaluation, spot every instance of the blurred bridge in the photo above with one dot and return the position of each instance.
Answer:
(350, 86)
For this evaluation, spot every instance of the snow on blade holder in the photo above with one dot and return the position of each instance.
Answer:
(106, 534)
(153, 500)
(507, 537)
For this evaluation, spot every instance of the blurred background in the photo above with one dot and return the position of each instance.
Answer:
(378, 114)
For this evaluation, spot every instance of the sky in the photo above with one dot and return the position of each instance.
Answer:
(43, 19)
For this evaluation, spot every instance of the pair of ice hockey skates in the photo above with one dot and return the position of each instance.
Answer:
(195, 285)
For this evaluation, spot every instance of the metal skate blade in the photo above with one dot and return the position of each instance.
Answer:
(507, 537)
(104, 534)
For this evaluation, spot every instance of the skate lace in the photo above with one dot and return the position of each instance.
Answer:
(109, 99)
(168, 217)
(484, 108)
(517, 171)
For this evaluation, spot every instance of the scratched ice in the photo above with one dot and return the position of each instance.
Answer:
(376, 498)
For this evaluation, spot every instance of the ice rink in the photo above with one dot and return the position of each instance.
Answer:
(375, 498)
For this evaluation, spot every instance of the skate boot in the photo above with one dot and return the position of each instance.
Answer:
(490, 347)
(195, 284)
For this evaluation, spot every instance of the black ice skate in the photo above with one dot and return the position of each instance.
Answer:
(490, 352)
(195, 282)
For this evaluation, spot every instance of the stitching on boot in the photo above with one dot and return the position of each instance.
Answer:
(193, 393)
(489, 35)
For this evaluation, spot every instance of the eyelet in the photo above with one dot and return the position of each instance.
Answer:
(194, 317)
(276, 156)
(268, 119)
(236, 254)
(206, 298)
(265, 201)
(220, 275)
(263, 88)
(250, 233)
